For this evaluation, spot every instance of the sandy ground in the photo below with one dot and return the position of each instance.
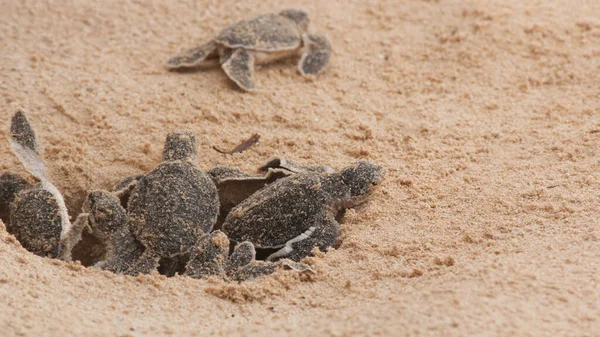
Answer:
(486, 115)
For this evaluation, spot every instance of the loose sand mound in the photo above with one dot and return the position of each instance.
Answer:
(485, 114)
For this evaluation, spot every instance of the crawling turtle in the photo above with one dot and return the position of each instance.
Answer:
(38, 215)
(297, 213)
(263, 39)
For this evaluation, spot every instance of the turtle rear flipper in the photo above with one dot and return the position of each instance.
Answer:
(243, 254)
(315, 55)
(146, 264)
(68, 241)
(254, 270)
(208, 257)
(239, 67)
(194, 57)
(23, 143)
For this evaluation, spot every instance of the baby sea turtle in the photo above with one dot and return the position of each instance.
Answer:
(297, 213)
(263, 39)
(173, 205)
(38, 215)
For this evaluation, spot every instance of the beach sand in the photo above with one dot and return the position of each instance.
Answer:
(486, 115)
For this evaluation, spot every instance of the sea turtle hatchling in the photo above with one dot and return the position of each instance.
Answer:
(38, 216)
(173, 205)
(263, 39)
(235, 186)
(297, 213)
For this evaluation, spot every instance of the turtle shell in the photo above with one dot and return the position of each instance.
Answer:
(10, 185)
(171, 207)
(280, 211)
(269, 32)
(35, 221)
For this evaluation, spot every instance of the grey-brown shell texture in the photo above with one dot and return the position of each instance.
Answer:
(35, 221)
(10, 185)
(280, 212)
(300, 210)
(172, 206)
(175, 204)
(270, 32)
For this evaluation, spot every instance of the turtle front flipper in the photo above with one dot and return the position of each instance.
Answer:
(27, 214)
(322, 235)
(315, 55)
(240, 69)
(193, 57)
(68, 241)
(253, 270)
(208, 257)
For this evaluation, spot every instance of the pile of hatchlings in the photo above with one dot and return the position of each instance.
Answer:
(167, 216)
(177, 219)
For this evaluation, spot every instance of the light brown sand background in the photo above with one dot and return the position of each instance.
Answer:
(486, 115)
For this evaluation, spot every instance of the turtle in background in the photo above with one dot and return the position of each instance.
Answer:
(263, 39)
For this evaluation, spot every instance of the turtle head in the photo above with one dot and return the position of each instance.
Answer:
(105, 213)
(361, 178)
(300, 17)
(181, 146)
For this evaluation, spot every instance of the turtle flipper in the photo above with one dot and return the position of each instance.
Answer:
(324, 234)
(253, 270)
(193, 57)
(68, 241)
(240, 69)
(315, 55)
(243, 254)
(23, 143)
(208, 256)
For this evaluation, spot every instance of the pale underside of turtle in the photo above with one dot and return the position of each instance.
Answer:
(263, 39)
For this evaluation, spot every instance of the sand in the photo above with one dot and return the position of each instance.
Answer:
(486, 115)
